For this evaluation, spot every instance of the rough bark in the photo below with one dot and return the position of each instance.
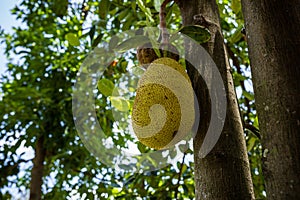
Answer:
(272, 29)
(224, 173)
(37, 170)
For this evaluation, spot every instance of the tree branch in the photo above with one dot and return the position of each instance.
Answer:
(179, 176)
(163, 24)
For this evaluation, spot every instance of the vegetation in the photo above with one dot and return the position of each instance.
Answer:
(44, 58)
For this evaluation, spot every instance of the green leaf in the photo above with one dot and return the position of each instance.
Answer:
(106, 87)
(169, 17)
(196, 32)
(237, 35)
(72, 39)
(248, 95)
(132, 43)
(255, 123)
(185, 189)
(141, 147)
(120, 103)
(103, 8)
(237, 78)
(128, 21)
(97, 40)
(236, 6)
(123, 14)
(147, 11)
(133, 6)
(251, 143)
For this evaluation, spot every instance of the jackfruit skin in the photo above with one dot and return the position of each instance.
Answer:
(148, 95)
(168, 62)
(150, 92)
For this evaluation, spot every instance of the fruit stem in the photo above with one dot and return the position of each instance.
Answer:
(163, 24)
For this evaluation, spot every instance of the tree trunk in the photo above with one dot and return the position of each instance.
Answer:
(37, 170)
(273, 29)
(224, 173)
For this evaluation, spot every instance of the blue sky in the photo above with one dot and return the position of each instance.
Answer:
(7, 21)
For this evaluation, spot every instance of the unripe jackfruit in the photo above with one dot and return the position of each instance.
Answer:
(163, 110)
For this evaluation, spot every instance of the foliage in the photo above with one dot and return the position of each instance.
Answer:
(44, 58)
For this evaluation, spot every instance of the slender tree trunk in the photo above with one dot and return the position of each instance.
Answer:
(37, 170)
(224, 173)
(273, 29)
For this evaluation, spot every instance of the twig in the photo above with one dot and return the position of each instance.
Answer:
(179, 176)
(253, 129)
(84, 11)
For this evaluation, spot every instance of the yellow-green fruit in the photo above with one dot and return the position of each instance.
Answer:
(147, 96)
(163, 93)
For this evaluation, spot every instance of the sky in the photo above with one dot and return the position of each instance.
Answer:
(7, 21)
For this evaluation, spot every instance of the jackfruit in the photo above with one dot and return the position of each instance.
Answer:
(163, 110)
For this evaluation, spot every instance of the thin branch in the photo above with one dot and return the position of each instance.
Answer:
(179, 176)
(84, 11)
(253, 129)
(163, 24)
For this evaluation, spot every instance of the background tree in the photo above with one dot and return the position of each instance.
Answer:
(272, 31)
(35, 107)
